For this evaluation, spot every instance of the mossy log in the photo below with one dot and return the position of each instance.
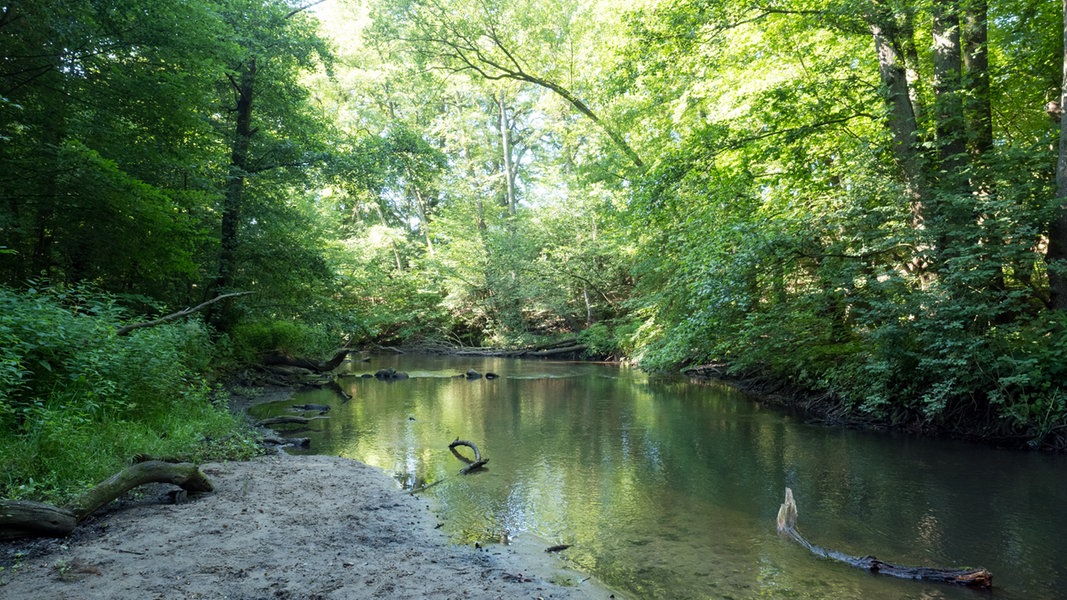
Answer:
(975, 578)
(325, 366)
(20, 518)
(23, 518)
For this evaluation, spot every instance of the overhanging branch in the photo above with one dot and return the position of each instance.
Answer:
(125, 330)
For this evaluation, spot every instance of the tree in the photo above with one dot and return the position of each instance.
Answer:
(280, 44)
(495, 41)
(1057, 245)
(105, 140)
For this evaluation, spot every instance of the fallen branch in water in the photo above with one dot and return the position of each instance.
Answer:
(787, 521)
(423, 488)
(272, 359)
(286, 419)
(472, 465)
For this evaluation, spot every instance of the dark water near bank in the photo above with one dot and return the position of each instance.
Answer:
(669, 489)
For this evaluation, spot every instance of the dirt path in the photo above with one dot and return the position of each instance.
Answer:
(280, 526)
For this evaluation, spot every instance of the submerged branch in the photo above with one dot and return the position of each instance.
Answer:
(472, 465)
(787, 521)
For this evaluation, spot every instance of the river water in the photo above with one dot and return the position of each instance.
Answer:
(670, 489)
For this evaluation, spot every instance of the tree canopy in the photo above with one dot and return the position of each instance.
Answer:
(858, 201)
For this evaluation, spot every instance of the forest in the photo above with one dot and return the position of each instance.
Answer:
(857, 204)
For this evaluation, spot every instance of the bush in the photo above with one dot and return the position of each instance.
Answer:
(77, 402)
(252, 338)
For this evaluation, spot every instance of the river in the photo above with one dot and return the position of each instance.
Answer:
(665, 488)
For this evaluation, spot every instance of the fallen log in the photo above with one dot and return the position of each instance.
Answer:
(280, 441)
(336, 388)
(285, 360)
(554, 351)
(23, 518)
(319, 408)
(287, 420)
(20, 518)
(975, 578)
(472, 465)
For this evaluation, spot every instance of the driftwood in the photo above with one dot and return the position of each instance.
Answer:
(280, 441)
(472, 465)
(336, 388)
(554, 351)
(564, 346)
(787, 520)
(423, 488)
(30, 519)
(280, 359)
(319, 408)
(289, 419)
(125, 330)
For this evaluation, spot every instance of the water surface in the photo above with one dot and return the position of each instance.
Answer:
(670, 489)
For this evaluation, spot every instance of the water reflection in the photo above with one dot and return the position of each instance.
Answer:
(668, 489)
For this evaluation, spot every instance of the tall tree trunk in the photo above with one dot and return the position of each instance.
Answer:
(948, 97)
(392, 244)
(952, 208)
(1057, 235)
(906, 39)
(244, 88)
(901, 117)
(505, 143)
(976, 71)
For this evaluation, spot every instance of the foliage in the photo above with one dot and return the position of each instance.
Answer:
(251, 338)
(808, 190)
(77, 402)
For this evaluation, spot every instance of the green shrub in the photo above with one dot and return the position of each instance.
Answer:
(78, 402)
(252, 338)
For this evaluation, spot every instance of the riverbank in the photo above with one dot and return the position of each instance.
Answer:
(277, 526)
(823, 408)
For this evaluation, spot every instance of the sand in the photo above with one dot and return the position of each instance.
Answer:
(279, 526)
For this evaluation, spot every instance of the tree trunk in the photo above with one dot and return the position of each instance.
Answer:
(976, 70)
(948, 96)
(185, 475)
(22, 518)
(278, 358)
(1057, 235)
(509, 168)
(222, 316)
(901, 118)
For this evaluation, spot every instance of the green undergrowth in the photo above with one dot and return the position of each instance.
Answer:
(79, 402)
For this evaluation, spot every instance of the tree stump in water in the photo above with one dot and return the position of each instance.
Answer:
(787, 521)
(472, 465)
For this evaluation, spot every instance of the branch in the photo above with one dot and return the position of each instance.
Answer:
(787, 522)
(472, 465)
(457, 45)
(181, 313)
(301, 9)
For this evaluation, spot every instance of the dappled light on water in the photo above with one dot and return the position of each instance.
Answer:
(669, 489)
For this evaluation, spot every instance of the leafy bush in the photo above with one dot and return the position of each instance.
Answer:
(77, 401)
(251, 338)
